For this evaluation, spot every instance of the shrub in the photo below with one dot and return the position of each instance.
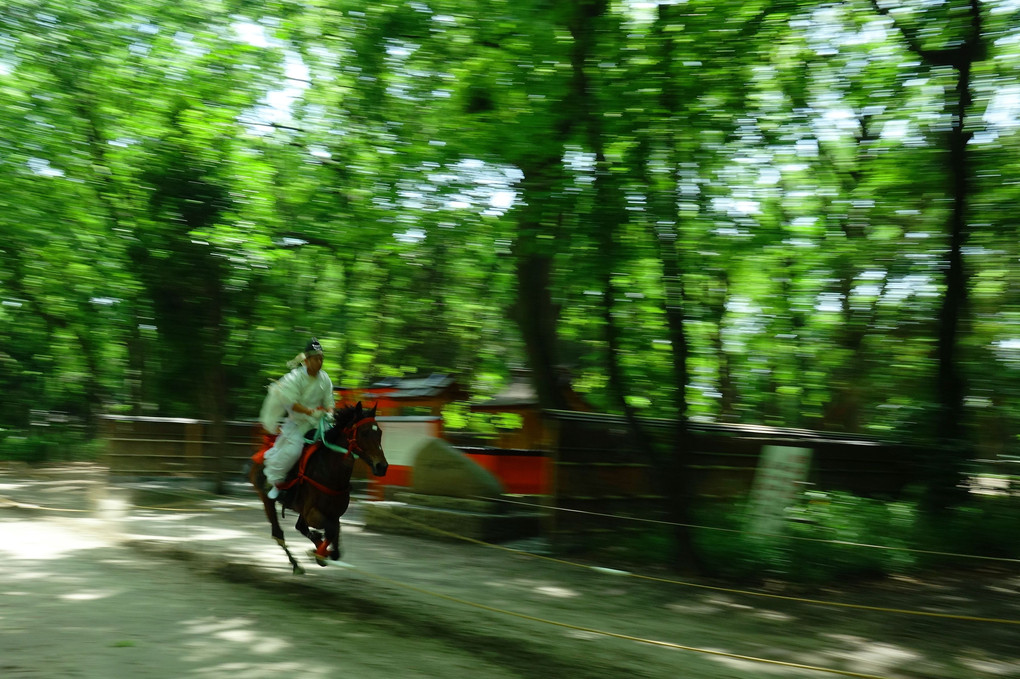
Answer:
(55, 444)
(813, 545)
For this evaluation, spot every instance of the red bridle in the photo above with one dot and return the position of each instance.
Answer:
(351, 432)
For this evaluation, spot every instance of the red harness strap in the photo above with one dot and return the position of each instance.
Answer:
(301, 478)
(352, 435)
(260, 458)
(267, 442)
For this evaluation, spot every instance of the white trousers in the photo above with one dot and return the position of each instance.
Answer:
(285, 452)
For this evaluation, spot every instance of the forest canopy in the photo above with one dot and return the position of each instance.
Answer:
(767, 211)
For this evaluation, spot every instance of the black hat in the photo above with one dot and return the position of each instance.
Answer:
(313, 348)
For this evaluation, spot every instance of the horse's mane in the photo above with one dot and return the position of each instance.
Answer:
(344, 416)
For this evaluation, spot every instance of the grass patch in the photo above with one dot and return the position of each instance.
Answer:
(55, 444)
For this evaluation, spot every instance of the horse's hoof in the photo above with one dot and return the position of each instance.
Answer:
(298, 570)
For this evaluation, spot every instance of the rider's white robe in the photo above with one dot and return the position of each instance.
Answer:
(297, 386)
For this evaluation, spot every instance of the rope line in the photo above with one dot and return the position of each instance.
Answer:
(728, 590)
(846, 543)
(615, 635)
(13, 504)
(6, 503)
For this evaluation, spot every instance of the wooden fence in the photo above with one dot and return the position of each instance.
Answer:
(597, 466)
(169, 447)
(161, 446)
(587, 456)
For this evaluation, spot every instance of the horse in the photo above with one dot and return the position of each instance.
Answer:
(318, 489)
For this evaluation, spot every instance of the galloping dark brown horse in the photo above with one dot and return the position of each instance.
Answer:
(319, 487)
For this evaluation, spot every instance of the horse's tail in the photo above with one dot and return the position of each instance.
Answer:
(252, 470)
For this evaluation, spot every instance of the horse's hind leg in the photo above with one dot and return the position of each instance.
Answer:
(278, 536)
(258, 482)
(297, 569)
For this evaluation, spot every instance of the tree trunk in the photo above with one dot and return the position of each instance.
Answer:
(608, 214)
(677, 479)
(944, 468)
(534, 309)
(945, 472)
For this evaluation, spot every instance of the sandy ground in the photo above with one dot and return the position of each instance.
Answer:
(97, 610)
(99, 582)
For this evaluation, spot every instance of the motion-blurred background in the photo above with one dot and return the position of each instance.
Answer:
(778, 212)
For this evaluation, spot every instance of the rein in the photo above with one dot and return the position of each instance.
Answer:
(350, 431)
(320, 437)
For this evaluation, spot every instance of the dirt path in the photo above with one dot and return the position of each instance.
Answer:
(95, 610)
(168, 569)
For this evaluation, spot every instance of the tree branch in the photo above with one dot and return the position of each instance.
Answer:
(953, 56)
(308, 240)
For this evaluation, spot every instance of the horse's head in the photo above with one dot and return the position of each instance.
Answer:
(364, 439)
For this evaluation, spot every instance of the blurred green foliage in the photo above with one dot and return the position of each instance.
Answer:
(192, 189)
(57, 444)
(808, 551)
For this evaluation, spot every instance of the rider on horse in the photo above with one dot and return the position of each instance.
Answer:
(299, 400)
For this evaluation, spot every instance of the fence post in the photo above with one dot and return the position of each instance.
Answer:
(194, 438)
(550, 442)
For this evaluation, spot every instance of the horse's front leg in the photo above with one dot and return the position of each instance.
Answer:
(332, 529)
(314, 535)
